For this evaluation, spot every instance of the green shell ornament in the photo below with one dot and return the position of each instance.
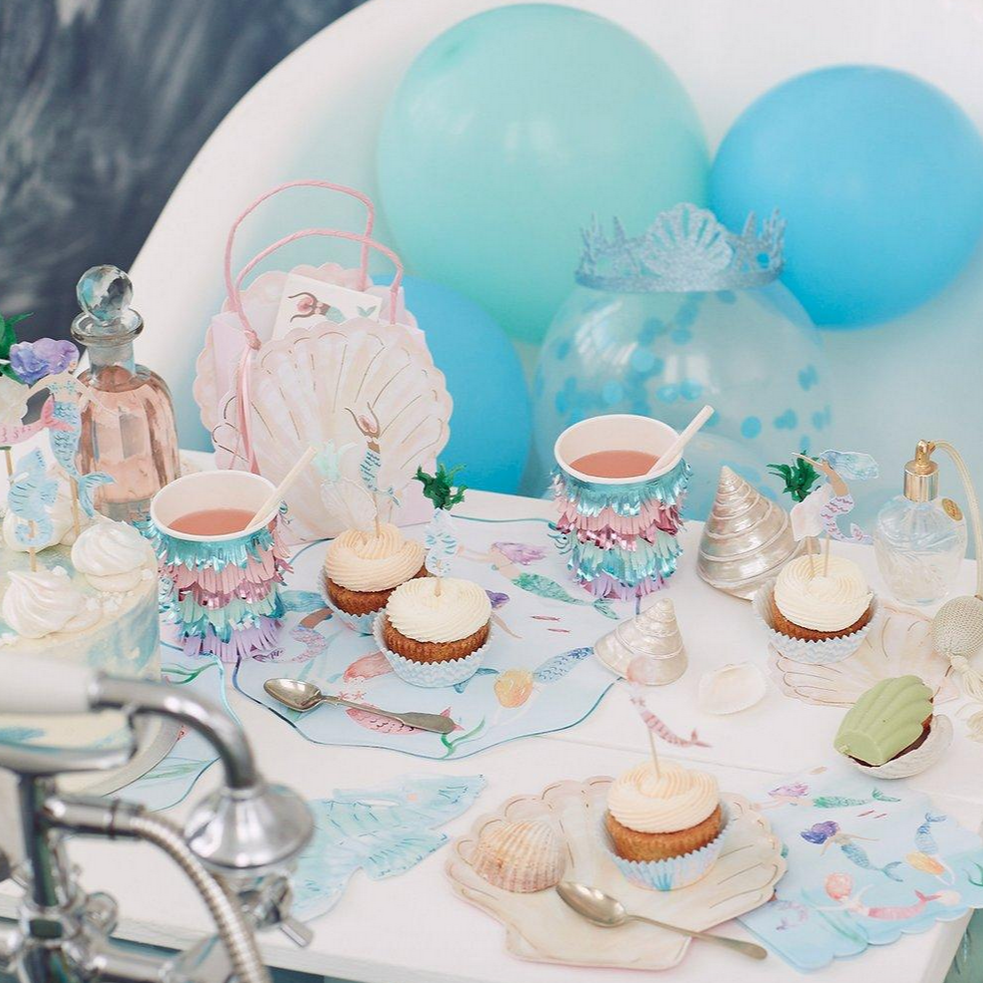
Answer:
(885, 720)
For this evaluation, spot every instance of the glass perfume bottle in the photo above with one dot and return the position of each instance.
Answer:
(128, 428)
(920, 538)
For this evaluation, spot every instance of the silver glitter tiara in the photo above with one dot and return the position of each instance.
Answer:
(685, 249)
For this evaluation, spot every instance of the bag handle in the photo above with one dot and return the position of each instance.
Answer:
(305, 183)
(367, 244)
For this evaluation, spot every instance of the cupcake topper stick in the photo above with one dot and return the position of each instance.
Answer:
(441, 540)
(650, 721)
(278, 493)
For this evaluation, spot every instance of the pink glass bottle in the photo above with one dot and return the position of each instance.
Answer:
(128, 428)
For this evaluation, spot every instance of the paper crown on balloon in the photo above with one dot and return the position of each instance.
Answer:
(685, 249)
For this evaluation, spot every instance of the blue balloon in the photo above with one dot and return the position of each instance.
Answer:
(491, 424)
(513, 128)
(879, 176)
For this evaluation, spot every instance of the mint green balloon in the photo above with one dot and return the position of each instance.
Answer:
(509, 132)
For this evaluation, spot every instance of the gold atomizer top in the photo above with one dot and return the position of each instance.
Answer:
(921, 474)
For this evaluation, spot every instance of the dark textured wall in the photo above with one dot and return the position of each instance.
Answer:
(103, 104)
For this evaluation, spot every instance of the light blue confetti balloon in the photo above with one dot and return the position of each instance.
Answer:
(754, 355)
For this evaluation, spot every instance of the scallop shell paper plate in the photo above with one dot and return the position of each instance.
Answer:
(541, 928)
(898, 644)
(305, 389)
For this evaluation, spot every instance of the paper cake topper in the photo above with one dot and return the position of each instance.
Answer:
(440, 538)
(30, 496)
(685, 249)
(820, 511)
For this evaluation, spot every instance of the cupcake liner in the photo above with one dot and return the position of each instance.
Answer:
(430, 674)
(676, 872)
(816, 652)
(360, 623)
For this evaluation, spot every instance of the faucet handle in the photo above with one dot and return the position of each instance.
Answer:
(296, 931)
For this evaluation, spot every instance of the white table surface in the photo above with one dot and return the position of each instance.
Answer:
(413, 929)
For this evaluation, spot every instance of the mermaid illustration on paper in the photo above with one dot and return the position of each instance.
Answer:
(829, 833)
(839, 887)
(797, 794)
(508, 558)
(927, 859)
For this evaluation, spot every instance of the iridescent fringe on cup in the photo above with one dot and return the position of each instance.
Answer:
(224, 597)
(621, 539)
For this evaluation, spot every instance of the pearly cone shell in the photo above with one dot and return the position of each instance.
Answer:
(520, 857)
(653, 634)
(745, 540)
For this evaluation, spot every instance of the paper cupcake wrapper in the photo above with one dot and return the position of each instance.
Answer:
(361, 623)
(676, 872)
(819, 652)
(430, 674)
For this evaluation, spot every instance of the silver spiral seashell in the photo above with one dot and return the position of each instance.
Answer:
(746, 538)
(653, 637)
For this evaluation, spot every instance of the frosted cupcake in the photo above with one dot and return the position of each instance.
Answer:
(815, 616)
(665, 830)
(828, 599)
(426, 626)
(431, 638)
(362, 569)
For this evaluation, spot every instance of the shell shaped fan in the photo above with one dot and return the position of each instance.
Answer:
(308, 387)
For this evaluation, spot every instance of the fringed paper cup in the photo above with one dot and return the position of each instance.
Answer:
(816, 652)
(676, 872)
(430, 675)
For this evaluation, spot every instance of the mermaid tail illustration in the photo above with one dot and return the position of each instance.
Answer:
(829, 833)
(542, 586)
(927, 858)
(839, 887)
(844, 802)
(64, 441)
(369, 426)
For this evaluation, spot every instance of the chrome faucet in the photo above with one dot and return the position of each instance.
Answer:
(237, 847)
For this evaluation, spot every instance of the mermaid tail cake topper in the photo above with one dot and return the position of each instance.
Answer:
(441, 539)
(30, 496)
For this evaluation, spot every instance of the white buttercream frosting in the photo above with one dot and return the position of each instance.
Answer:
(417, 611)
(677, 798)
(43, 602)
(61, 513)
(113, 556)
(369, 561)
(829, 601)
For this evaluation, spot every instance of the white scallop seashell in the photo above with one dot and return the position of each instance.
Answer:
(307, 388)
(914, 762)
(521, 857)
(731, 688)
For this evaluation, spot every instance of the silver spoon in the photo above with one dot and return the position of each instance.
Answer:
(608, 912)
(303, 696)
